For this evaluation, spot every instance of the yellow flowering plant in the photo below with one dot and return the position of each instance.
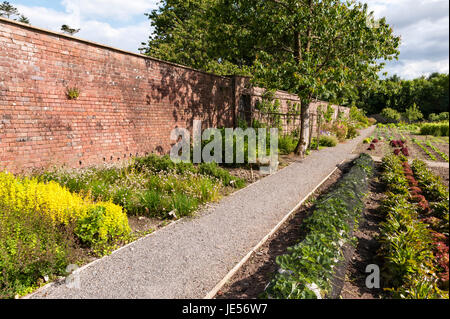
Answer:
(61, 206)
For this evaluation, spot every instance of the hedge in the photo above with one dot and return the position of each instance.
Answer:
(435, 129)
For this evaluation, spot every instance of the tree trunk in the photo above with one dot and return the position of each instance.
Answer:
(302, 144)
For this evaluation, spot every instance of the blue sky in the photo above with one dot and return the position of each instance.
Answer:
(422, 24)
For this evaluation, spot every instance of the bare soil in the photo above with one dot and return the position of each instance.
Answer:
(383, 148)
(140, 224)
(365, 252)
(442, 172)
(251, 279)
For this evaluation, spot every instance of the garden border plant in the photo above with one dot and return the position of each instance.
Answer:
(409, 231)
(307, 269)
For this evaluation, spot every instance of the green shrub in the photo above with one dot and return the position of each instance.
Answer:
(30, 249)
(352, 132)
(413, 113)
(444, 116)
(287, 144)
(328, 141)
(213, 170)
(391, 115)
(358, 116)
(433, 117)
(435, 129)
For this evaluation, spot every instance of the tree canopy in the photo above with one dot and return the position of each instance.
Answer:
(310, 48)
(68, 30)
(430, 94)
(9, 11)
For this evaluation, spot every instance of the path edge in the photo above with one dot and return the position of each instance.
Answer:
(211, 294)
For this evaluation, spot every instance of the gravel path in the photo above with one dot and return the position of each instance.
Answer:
(188, 258)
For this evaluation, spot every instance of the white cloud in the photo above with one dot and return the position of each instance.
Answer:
(422, 25)
(115, 9)
(424, 31)
(410, 69)
(96, 19)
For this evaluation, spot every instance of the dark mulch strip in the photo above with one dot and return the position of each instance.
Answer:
(251, 279)
(365, 252)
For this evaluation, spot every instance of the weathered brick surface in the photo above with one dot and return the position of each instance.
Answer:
(127, 106)
(128, 103)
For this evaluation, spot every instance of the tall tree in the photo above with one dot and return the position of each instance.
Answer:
(330, 47)
(203, 34)
(9, 11)
(68, 30)
(311, 48)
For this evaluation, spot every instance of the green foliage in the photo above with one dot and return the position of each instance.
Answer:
(270, 107)
(283, 45)
(328, 114)
(328, 229)
(212, 169)
(352, 132)
(434, 148)
(287, 144)
(391, 115)
(359, 117)
(30, 249)
(441, 117)
(72, 93)
(328, 141)
(413, 113)
(406, 240)
(150, 186)
(429, 93)
(430, 155)
(91, 228)
(432, 185)
(201, 34)
(9, 11)
(435, 129)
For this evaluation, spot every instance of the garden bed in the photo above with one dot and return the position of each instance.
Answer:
(72, 216)
(367, 246)
(372, 240)
(257, 274)
(423, 147)
(251, 279)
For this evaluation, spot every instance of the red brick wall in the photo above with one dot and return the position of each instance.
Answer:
(288, 104)
(128, 104)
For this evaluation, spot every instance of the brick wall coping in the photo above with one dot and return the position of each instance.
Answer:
(103, 46)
